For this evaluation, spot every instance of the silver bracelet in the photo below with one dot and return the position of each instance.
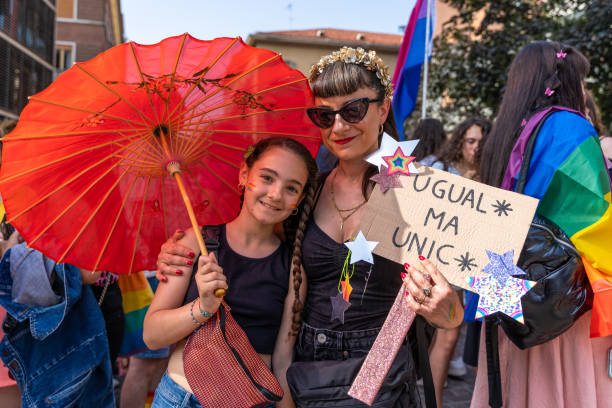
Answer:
(192, 316)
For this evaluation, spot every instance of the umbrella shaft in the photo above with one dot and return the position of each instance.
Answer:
(192, 217)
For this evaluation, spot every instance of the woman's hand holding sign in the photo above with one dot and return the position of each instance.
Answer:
(429, 294)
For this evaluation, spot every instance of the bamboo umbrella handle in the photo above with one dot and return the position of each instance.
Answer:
(194, 223)
(174, 168)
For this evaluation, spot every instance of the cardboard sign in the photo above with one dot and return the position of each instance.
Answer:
(449, 219)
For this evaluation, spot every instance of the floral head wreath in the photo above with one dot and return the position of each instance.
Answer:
(357, 56)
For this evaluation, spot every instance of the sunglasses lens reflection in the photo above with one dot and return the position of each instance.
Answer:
(352, 112)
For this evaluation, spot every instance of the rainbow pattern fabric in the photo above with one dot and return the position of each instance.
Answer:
(568, 174)
(137, 297)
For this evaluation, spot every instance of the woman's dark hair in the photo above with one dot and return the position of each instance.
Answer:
(431, 136)
(593, 114)
(339, 79)
(537, 67)
(451, 152)
(295, 225)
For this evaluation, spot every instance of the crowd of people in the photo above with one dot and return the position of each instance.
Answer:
(282, 259)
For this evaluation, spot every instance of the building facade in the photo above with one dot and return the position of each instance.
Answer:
(27, 29)
(302, 48)
(84, 29)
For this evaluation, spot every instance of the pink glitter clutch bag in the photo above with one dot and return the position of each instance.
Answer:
(383, 351)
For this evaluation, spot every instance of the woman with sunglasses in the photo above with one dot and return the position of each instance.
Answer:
(353, 107)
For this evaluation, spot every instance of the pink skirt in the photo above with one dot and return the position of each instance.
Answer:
(570, 371)
(4, 372)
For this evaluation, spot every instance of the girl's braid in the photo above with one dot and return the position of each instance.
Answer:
(296, 260)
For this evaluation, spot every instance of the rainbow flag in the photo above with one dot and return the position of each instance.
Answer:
(407, 75)
(569, 175)
(137, 297)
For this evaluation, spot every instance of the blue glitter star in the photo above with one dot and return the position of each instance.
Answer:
(501, 267)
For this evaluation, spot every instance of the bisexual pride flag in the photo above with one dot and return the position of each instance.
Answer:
(568, 174)
(407, 75)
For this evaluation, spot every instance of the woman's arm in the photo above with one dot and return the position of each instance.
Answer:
(285, 341)
(167, 320)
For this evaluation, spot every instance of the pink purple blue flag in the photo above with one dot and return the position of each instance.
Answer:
(407, 75)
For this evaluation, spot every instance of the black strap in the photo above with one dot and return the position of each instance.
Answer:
(425, 370)
(493, 374)
(211, 234)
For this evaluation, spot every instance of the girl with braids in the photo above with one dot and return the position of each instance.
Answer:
(278, 180)
(568, 175)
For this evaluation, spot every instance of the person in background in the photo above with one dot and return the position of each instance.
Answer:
(144, 369)
(571, 370)
(9, 391)
(593, 114)
(431, 136)
(459, 154)
(55, 343)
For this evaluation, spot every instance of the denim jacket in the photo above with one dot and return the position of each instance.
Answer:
(58, 354)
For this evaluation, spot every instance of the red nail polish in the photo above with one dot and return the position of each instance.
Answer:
(421, 257)
(403, 275)
(406, 265)
(407, 293)
(189, 262)
(191, 255)
(179, 272)
(165, 280)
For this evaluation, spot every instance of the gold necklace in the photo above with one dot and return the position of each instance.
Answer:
(350, 211)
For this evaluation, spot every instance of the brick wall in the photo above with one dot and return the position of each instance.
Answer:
(91, 9)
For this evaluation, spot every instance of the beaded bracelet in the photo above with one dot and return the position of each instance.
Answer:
(192, 316)
(202, 312)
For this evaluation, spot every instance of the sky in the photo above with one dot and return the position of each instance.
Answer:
(149, 21)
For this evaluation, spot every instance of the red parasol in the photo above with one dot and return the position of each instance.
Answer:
(86, 174)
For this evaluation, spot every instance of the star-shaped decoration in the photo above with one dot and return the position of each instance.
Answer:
(386, 182)
(501, 208)
(465, 262)
(361, 250)
(346, 289)
(495, 297)
(501, 267)
(388, 146)
(398, 162)
(339, 306)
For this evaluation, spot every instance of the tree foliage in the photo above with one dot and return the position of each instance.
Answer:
(472, 54)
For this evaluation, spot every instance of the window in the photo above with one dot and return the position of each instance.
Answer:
(66, 8)
(64, 57)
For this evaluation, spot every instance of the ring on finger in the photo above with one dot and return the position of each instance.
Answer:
(427, 291)
(420, 301)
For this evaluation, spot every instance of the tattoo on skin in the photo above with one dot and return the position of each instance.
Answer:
(451, 312)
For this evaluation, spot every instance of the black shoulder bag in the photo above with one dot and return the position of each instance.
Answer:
(562, 294)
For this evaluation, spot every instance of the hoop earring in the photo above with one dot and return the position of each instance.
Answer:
(381, 129)
(294, 212)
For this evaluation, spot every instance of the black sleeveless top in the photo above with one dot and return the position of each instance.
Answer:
(323, 259)
(256, 293)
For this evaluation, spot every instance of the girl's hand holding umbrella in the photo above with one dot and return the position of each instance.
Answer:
(209, 279)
